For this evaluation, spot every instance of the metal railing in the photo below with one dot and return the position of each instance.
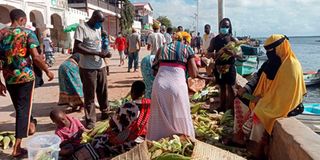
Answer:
(105, 5)
(99, 3)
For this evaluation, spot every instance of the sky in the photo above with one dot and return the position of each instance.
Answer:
(255, 18)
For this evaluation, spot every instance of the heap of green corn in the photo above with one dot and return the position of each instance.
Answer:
(204, 95)
(99, 129)
(7, 139)
(177, 148)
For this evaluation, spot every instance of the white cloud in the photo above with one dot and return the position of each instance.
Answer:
(249, 17)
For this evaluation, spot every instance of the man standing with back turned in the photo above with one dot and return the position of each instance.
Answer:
(18, 53)
(93, 73)
(134, 46)
(155, 40)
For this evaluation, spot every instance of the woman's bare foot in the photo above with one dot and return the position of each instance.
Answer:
(17, 150)
(238, 139)
(256, 149)
(32, 128)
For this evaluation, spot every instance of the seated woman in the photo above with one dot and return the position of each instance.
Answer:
(70, 84)
(127, 127)
(277, 91)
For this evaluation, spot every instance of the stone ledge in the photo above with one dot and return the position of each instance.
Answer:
(292, 140)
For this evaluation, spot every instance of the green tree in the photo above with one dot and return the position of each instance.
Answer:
(127, 15)
(164, 20)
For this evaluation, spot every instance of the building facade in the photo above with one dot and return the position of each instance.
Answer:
(144, 14)
(110, 8)
(52, 16)
(45, 17)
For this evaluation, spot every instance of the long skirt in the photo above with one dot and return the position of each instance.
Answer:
(70, 85)
(170, 106)
(147, 74)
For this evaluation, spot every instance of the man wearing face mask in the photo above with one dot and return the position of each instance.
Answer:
(226, 80)
(18, 54)
(121, 46)
(88, 43)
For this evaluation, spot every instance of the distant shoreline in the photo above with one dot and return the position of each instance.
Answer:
(290, 37)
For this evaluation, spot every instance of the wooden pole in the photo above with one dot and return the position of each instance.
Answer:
(220, 11)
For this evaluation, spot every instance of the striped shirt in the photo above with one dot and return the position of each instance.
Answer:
(175, 52)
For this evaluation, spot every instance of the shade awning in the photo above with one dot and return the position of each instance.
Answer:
(71, 27)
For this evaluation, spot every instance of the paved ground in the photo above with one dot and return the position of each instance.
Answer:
(46, 97)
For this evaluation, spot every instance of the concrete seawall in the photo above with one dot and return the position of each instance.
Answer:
(292, 140)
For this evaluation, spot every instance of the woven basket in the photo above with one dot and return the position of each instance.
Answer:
(201, 151)
(139, 152)
(204, 151)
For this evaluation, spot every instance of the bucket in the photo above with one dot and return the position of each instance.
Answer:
(43, 147)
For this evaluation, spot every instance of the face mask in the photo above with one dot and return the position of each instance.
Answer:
(272, 55)
(224, 30)
(98, 25)
(273, 64)
(119, 35)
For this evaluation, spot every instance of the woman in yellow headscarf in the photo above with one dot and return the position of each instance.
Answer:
(278, 91)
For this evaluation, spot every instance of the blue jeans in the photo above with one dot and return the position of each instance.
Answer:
(50, 58)
(133, 57)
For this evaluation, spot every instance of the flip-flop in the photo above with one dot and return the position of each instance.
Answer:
(22, 153)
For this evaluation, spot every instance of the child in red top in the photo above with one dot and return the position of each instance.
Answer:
(121, 46)
(68, 129)
(128, 126)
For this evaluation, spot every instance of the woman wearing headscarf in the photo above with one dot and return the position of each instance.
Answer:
(277, 91)
(224, 70)
(170, 107)
(70, 83)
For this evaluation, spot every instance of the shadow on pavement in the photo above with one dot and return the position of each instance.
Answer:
(50, 84)
(111, 72)
(38, 109)
(119, 86)
(40, 127)
(125, 82)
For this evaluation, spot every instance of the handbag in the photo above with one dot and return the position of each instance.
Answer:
(298, 110)
(85, 152)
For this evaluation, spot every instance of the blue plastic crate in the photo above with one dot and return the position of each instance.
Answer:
(311, 108)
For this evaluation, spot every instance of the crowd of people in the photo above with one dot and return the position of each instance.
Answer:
(160, 104)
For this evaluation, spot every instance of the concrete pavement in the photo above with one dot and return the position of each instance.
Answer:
(46, 97)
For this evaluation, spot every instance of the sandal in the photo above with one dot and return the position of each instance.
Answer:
(23, 152)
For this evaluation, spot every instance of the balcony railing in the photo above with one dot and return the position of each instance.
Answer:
(106, 4)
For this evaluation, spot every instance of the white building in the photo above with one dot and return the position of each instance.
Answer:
(47, 16)
(144, 14)
(110, 8)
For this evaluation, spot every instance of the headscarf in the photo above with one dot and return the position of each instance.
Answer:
(156, 26)
(285, 92)
(180, 36)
